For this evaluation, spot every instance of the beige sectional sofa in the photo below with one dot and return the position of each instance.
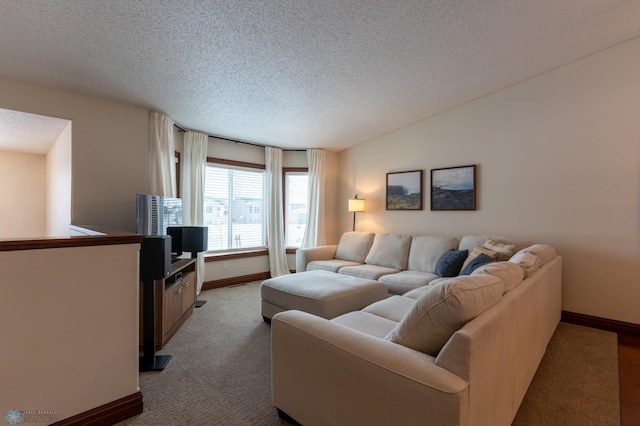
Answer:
(401, 262)
(455, 351)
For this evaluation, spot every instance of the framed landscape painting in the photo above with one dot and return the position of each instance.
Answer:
(453, 188)
(404, 190)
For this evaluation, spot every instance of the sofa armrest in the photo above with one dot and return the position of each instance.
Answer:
(306, 255)
(326, 373)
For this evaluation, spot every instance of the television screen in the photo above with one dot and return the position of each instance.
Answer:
(154, 213)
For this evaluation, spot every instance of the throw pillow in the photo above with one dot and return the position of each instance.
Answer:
(354, 246)
(504, 251)
(477, 251)
(426, 250)
(444, 309)
(533, 257)
(477, 262)
(389, 250)
(450, 263)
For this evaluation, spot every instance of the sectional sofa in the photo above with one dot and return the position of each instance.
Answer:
(455, 350)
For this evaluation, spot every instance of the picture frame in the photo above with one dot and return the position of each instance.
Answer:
(404, 190)
(454, 188)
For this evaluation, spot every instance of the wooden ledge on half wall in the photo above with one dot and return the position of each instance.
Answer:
(81, 236)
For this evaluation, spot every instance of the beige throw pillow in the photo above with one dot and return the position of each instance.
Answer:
(444, 309)
(477, 251)
(503, 251)
(390, 251)
(354, 246)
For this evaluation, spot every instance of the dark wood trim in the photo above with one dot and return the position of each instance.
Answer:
(75, 241)
(629, 374)
(107, 414)
(226, 282)
(291, 250)
(216, 257)
(606, 324)
(284, 416)
(235, 163)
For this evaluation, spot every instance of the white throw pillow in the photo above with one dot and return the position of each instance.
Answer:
(354, 246)
(533, 257)
(444, 309)
(389, 250)
(468, 242)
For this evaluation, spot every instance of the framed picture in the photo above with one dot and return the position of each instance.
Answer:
(404, 190)
(453, 188)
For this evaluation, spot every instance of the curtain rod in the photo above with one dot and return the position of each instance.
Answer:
(181, 129)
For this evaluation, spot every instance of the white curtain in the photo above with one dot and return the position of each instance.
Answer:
(314, 232)
(162, 167)
(194, 160)
(275, 221)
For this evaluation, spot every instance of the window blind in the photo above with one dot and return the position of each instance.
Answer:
(234, 207)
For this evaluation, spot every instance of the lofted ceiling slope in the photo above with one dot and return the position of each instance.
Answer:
(301, 73)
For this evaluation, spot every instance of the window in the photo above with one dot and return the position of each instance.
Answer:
(233, 197)
(295, 205)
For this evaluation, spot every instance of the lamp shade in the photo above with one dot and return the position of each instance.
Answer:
(356, 205)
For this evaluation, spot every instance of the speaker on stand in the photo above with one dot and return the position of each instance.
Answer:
(194, 239)
(155, 264)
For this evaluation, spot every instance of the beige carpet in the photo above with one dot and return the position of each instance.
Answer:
(220, 372)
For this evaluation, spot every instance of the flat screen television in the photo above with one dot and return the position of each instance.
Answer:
(154, 213)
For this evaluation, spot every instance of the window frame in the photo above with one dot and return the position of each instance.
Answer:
(235, 253)
(285, 170)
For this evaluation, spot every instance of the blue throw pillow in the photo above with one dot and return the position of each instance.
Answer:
(450, 263)
(476, 262)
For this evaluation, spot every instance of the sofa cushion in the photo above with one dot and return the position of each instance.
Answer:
(393, 308)
(354, 246)
(331, 265)
(389, 250)
(417, 292)
(503, 251)
(510, 273)
(426, 250)
(450, 263)
(444, 309)
(366, 322)
(475, 263)
(405, 281)
(371, 272)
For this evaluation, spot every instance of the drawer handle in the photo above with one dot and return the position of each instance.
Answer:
(180, 289)
(187, 284)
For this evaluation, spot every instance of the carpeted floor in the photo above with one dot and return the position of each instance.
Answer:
(220, 372)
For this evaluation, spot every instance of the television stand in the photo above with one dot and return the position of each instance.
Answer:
(175, 298)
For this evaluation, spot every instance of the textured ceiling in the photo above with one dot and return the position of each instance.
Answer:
(301, 73)
(30, 133)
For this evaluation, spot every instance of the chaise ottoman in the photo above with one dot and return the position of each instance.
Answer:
(322, 293)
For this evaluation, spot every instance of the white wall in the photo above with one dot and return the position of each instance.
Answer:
(109, 152)
(558, 162)
(70, 321)
(59, 185)
(22, 195)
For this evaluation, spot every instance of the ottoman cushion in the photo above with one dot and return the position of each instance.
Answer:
(321, 293)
